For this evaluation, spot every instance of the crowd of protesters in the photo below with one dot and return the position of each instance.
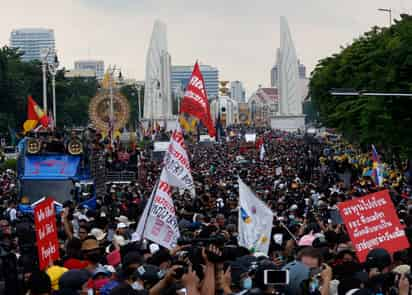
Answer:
(301, 178)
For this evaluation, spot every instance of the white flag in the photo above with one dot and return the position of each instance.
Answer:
(262, 152)
(176, 163)
(255, 221)
(158, 222)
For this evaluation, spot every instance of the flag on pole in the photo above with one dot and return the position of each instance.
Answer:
(159, 222)
(195, 102)
(255, 221)
(51, 120)
(176, 163)
(34, 115)
(262, 152)
(377, 171)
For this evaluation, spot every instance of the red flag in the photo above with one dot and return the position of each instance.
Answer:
(259, 143)
(34, 115)
(195, 102)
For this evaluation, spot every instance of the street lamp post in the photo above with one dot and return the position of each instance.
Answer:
(44, 53)
(389, 11)
(139, 110)
(111, 105)
(53, 71)
(353, 92)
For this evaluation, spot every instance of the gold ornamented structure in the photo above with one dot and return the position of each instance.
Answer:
(99, 111)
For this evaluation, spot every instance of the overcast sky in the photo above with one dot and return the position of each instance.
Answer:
(239, 37)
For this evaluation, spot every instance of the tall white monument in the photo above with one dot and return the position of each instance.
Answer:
(289, 86)
(290, 101)
(157, 96)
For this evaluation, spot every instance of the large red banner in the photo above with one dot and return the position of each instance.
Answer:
(46, 233)
(372, 222)
(195, 102)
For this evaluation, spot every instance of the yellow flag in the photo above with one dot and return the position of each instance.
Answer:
(29, 125)
(107, 80)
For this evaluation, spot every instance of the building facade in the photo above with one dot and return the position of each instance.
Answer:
(32, 41)
(227, 108)
(237, 91)
(263, 104)
(86, 74)
(91, 65)
(181, 74)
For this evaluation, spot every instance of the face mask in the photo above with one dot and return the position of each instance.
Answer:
(291, 216)
(247, 283)
(137, 286)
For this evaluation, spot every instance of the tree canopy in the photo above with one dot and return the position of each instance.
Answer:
(380, 60)
(19, 79)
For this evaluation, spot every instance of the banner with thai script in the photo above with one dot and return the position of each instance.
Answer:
(176, 163)
(46, 233)
(51, 167)
(159, 222)
(195, 101)
(372, 222)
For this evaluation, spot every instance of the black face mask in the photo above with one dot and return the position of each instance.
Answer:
(93, 256)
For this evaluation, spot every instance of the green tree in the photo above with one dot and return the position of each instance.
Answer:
(380, 60)
(133, 93)
(72, 99)
(19, 79)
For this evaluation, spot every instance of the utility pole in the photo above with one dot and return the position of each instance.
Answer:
(389, 11)
(53, 71)
(44, 53)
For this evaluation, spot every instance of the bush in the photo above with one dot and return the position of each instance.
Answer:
(9, 164)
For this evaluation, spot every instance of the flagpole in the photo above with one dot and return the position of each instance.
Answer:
(150, 207)
(280, 222)
(285, 227)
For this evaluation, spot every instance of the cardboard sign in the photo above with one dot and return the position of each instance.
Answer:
(250, 137)
(372, 222)
(46, 233)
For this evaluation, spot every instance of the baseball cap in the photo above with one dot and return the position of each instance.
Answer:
(121, 225)
(98, 234)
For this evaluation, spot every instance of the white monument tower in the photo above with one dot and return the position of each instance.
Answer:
(157, 96)
(290, 102)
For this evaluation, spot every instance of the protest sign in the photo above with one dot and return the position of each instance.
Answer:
(250, 137)
(159, 222)
(46, 233)
(372, 222)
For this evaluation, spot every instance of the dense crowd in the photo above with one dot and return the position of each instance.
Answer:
(301, 178)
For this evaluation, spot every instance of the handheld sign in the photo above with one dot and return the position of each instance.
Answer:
(372, 222)
(46, 233)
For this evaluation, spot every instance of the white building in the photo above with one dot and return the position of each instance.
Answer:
(263, 105)
(31, 42)
(92, 65)
(158, 98)
(228, 109)
(237, 92)
(70, 74)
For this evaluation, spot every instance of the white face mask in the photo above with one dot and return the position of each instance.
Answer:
(137, 286)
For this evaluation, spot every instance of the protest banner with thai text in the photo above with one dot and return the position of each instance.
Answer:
(46, 233)
(372, 222)
(159, 222)
(176, 163)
